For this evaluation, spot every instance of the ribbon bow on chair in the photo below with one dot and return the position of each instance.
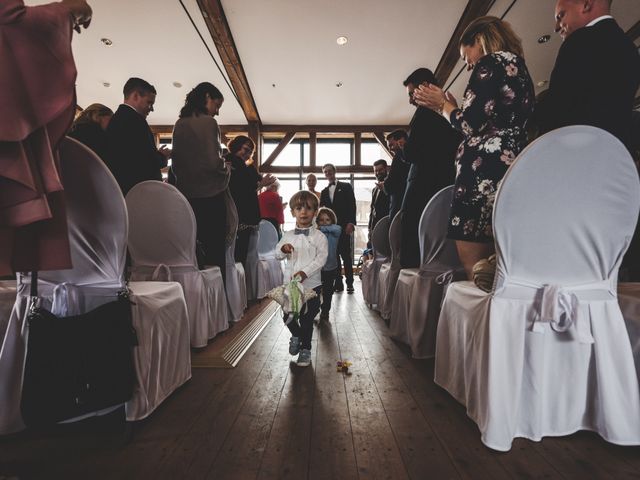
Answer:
(559, 308)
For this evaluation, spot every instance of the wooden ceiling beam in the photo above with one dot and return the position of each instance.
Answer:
(382, 140)
(281, 146)
(330, 128)
(220, 32)
(451, 55)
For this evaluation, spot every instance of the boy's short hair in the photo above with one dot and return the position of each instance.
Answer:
(330, 213)
(139, 85)
(304, 197)
(330, 166)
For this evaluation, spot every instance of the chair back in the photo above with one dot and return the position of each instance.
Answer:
(162, 226)
(567, 209)
(380, 237)
(435, 247)
(395, 238)
(96, 219)
(267, 240)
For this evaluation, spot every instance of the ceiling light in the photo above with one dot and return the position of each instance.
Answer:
(106, 41)
(338, 84)
(342, 40)
(542, 83)
(106, 84)
(177, 84)
(544, 38)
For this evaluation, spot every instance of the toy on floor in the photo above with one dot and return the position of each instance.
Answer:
(342, 366)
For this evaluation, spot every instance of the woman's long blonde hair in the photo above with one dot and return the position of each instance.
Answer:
(92, 114)
(494, 35)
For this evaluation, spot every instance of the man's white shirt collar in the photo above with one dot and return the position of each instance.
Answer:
(596, 20)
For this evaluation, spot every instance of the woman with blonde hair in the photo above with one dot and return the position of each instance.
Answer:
(90, 127)
(497, 103)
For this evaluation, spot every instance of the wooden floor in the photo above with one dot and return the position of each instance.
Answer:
(269, 419)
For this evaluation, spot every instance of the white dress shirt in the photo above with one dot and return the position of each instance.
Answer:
(309, 255)
(332, 190)
(596, 20)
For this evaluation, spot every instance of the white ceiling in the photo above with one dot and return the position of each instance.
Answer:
(292, 44)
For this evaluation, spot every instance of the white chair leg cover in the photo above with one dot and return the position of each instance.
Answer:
(389, 272)
(270, 275)
(401, 306)
(629, 300)
(370, 279)
(203, 292)
(163, 358)
(487, 356)
(7, 300)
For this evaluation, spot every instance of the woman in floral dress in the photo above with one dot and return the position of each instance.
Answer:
(497, 103)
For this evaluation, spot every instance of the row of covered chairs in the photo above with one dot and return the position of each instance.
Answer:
(186, 309)
(555, 346)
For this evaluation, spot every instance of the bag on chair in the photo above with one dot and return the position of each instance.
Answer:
(78, 364)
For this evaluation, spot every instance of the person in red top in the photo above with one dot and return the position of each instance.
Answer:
(271, 207)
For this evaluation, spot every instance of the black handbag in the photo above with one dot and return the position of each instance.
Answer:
(79, 364)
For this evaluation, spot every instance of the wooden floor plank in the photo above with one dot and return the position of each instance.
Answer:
(376, 450)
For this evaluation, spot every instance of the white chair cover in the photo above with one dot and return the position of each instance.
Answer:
(97, 222)
(388, 275)
(381, 254)
(629, 300)
(235, 285)
(162, 239)
(419, 291)
(7, 300)
(547, 352)
(270, 274)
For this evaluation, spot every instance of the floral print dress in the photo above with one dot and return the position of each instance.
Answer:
(497, 104)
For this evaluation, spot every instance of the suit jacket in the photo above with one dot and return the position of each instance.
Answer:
(343, 204)
(593, 82)
(431, 150)
(132, 155)
(379, 206)
(396, 182)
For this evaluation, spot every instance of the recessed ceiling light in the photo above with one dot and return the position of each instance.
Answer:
(106, 41)
(542, 83)
(338, 84)
(342, 40)
(544, 38)
(106, 84)
(177, 84)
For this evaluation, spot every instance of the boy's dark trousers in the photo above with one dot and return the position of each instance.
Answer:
(304, 331)
(328, 279)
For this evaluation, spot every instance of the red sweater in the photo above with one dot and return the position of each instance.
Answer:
(271, 206)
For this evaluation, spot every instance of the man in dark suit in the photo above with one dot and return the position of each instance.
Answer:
(339, 197)
(379, 198)
(132, 153)
(396, 182)
(431, 150)
(596, 74)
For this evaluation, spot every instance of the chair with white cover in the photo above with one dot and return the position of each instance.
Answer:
(270, 274)
(97, 224)
(381, 254)
(162, 239)
(235, 282)
(419, 291)
(388, 275)
(546, 353)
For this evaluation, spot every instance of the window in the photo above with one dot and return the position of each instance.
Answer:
(334, 151)
(289, 157)
(371, 151)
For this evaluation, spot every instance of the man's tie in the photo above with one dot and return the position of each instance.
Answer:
(301, 231)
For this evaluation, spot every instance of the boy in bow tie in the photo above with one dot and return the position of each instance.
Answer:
(305, 249)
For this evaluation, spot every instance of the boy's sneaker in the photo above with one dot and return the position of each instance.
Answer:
(294, 345)
(324, 316)
(304, 359)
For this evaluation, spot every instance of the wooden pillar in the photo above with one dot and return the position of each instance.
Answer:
(253, 130)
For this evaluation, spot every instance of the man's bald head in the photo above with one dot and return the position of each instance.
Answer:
(570, 15)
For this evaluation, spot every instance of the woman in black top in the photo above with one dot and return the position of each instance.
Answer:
(243, 185)
(90, 127)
